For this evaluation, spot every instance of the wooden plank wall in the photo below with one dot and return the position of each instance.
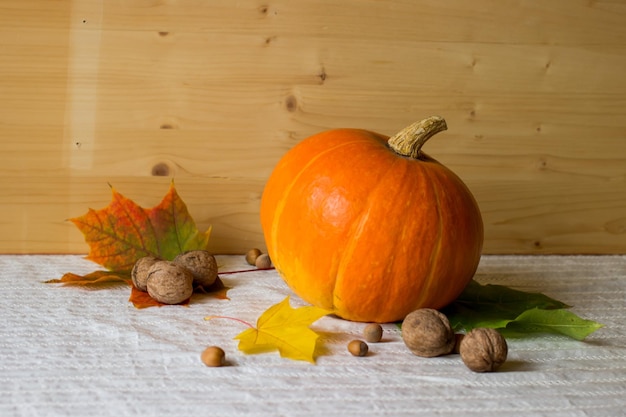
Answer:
(213, 92)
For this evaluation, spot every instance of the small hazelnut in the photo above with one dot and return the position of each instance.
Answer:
(427, 332)
(252, 255)
(483, 350)
(139, 273)
(213, 356)
(358, 348)
(169, 283)
(263, 261)
(373, 333)
(201, 264)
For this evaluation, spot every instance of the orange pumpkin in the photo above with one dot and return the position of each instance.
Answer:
(370, 227)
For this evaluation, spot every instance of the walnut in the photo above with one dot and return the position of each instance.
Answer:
(427, 332)
(483, 350)
(201, 264)
(169, 283)
(139, 274)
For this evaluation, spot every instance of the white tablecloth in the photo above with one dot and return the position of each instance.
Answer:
(75, 352)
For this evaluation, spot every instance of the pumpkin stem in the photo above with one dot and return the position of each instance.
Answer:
(409, 141)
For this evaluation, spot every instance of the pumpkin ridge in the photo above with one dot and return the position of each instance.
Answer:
(422, 290)
(437, 249)
(356, 230)
(281, 204)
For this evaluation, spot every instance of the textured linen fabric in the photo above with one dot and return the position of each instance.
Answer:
(76, 352)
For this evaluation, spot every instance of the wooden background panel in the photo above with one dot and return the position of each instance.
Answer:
(555, 218)
(135, 93)
(488, 21)
(38, 208)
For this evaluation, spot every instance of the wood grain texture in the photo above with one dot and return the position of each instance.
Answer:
(213, 93)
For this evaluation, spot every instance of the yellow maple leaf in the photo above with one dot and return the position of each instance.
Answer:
(285, 329)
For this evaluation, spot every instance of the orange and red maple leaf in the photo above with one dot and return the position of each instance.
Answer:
(123, 232)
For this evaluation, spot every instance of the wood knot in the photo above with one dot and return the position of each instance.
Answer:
(160, 170)
(616, 227)
(266, 10)
(291, 104)
(542, 164)
(322, 76)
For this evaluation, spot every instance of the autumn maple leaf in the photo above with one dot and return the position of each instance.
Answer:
(285, 329)
(121, 233)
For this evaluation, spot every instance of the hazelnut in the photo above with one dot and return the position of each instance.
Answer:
(263, 261)
(483, 350)
(213, 356)
(139, 273)
(373, 333)
(427, 332)
(201, 264)
(169, 283)
(252, 255)
(358, 348)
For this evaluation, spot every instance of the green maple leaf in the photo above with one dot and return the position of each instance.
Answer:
(553, 321)
(515, 312)
(494, 305)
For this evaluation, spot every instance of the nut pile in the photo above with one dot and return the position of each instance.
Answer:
(259, 259)
(427, 333)
(372, 333)
(172, 282)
